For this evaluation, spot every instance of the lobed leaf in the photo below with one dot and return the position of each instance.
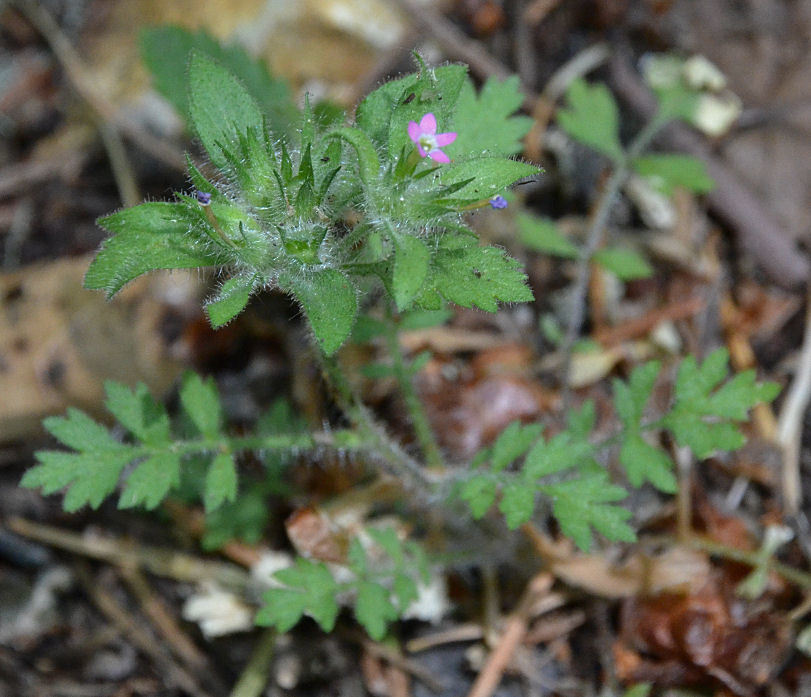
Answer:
(485, 123)
(201, 401)
(591, 117)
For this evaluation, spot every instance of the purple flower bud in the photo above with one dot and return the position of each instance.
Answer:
(498, 202)
(203, 197)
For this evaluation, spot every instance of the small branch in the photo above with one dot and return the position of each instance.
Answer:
(454, 41)
(254, 678)
(789, 430)
(123, 553)
(795, 576)
(142, 640)
(155, 608)
(514, 631)
(594, 238)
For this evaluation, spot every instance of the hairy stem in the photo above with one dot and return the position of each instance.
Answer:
(594, 238)
(416, 410)
(399, 462)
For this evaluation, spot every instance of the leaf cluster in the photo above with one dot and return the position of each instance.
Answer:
(152, 459)
(523, 467)
(383, 581)
(303, 202)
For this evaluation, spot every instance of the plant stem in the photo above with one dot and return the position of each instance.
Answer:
(399, 462)
(594, 238)
(254, 678)
(799, 578)
(416, 410)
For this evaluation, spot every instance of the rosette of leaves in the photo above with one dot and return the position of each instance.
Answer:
(315, 207)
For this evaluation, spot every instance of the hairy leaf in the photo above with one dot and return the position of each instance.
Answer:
(145, 238)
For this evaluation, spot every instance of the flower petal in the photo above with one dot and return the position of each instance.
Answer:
(439, 156)
(428, 123)
(414, 131)
(445, 138)
(421, 151)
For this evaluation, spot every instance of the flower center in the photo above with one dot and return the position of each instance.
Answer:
(428, 142)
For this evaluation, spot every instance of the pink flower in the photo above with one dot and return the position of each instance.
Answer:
(427, 140)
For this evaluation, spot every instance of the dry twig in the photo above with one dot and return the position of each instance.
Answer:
(132, 629)
(514, 632)
(789, 430)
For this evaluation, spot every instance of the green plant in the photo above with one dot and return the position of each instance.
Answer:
(363, 225)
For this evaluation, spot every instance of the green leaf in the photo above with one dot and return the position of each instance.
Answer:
(411, 261)
(374, 113)
(644, 462)
(138, 412)
(630, 399)
(146, 237)
(165, 51)
(580, 504)
(151, 481)
(700, 417)
(641, 690)
(231, 299)
(244, 519)
(405, 590)
(543, 235)
(591, 118)
(513, 442)
(694, 382)
(469, 275)
(90, 477)
(222, 110)
(311, 590)
(78, 431)
(560, 453)
(667, 172)
(423, 319)
(485, 124)
(623, 263)
(734, 399)
(702, 437)
(480, 493)
(221, 482)
(201, 402)
(374, 609)
(390, 543)
(330, 303)
(488, 176)
(517, 503)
